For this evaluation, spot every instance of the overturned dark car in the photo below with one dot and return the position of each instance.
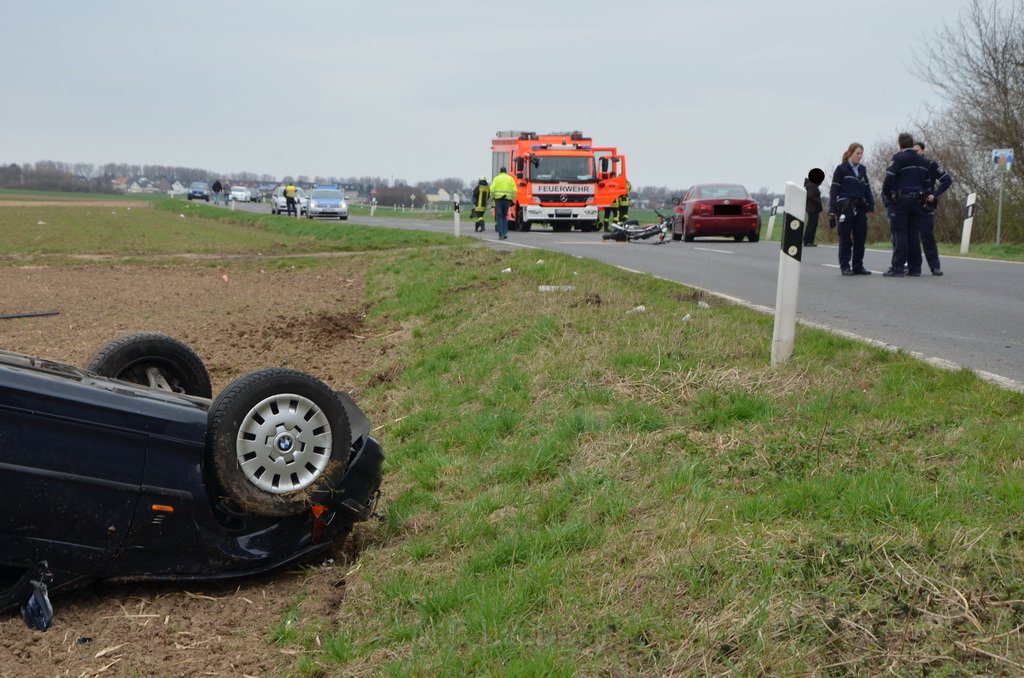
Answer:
(129, 469)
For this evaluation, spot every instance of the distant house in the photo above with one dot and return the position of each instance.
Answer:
(119, 184)
(440, 196)
(177, 188)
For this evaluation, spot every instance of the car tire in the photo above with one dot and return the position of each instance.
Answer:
(129, 358)
(754, 236)
(737, 238)
(278, 441)
(343, 218)
(688, 237)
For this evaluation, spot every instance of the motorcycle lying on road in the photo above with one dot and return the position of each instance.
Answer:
(632, 230)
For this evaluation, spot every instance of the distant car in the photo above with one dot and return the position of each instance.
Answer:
(128, 469)
(278, 204)
(717, 210)
(239, 194)
(255, 195)
(327, 201)
(199, 190)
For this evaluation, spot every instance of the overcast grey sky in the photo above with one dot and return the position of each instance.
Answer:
(751, 91)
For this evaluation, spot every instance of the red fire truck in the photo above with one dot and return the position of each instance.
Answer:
(563, 180)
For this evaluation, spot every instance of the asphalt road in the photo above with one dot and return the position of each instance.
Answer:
(973, 316)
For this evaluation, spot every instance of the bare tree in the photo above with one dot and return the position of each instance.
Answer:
(978, 66)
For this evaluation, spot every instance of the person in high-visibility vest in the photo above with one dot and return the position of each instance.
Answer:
(620, 208)
(481, 196)
(503, 189)
(289, 198)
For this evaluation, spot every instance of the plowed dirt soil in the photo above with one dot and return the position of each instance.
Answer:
(238, 318)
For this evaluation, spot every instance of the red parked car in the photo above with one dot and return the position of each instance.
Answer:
(717, 210)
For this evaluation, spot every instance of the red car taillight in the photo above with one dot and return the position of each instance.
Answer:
(703, 209)
(750, 209)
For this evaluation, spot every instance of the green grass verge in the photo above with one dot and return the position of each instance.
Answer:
(574, 488)
(441, 214)
(179, 227)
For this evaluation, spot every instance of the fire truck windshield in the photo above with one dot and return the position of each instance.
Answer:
(561, 168)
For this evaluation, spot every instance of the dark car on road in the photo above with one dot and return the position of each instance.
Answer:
(717, 210)
(129, 469)
(199, 190)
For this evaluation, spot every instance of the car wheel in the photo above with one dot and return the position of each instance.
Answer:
(278, 441)
(754, 236)
(737, 238)
(688, 237)
(153, 359)
(343, 218)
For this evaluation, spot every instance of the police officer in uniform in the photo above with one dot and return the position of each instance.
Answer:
(931, 250)
(481, 195)
(908, 188)
(850, 201)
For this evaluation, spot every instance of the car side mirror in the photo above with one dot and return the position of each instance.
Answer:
(36, 610)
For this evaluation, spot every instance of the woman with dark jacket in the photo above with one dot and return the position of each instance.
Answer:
(812, 185)
(850, 201)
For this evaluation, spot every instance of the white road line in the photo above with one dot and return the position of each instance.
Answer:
(941, 363)
(708, 249)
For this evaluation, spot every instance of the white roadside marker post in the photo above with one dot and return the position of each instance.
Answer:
(795, 212)
(771, 219)
(456, 209)
(965, 238)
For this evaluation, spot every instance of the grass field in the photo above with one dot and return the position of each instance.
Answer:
(578, 488)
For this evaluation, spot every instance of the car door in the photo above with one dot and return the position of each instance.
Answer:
(71, 465)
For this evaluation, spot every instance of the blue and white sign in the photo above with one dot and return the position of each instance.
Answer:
(1002, 159)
